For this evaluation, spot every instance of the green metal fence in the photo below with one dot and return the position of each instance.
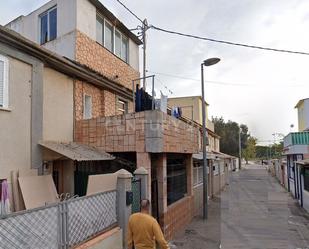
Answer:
(136, 190)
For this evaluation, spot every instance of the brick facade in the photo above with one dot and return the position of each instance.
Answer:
(178, 215)
(98, 58)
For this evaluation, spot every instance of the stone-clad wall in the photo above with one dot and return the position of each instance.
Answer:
(81, 89)
(178, 215)
(134, 133)
(98, 58)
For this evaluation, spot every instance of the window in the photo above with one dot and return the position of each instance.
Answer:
(4, 87)
(48, 22)
(87, 107)
(306, 179)
(176, 179)
(99, 31)
(124, 50)
(118, 43)
(122, 106)
(112, 39)
(109, 36)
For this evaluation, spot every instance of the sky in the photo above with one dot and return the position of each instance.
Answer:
(260, 88)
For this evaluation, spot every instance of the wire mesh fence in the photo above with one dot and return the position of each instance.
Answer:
(62, 225)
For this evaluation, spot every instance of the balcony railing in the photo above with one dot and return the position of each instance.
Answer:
(296, 138)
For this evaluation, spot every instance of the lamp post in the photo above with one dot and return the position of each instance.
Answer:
(206, 63)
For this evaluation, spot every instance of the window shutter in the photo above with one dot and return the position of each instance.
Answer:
(1, 83)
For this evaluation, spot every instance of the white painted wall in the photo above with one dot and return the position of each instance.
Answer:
(306, 200)
(86, 18)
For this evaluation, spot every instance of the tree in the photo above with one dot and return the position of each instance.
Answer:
(229, 133)
(250, 151)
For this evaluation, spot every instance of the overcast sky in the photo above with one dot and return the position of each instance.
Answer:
(260, 88)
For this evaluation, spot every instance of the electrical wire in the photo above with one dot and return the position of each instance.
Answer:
(228, 42)
(212, 39)
(216, 82)
(132, 13)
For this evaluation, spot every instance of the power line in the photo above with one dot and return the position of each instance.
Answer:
(212, 39)
(132, 13)
(228, 42)
(164, 86)
(216, 82)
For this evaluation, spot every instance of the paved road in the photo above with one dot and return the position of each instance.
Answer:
(253, 212)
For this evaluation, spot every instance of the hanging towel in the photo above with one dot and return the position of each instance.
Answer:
(5, 202)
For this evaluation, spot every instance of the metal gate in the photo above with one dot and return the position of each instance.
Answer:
(136, 190)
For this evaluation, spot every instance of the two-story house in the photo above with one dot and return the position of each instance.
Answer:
(89, 35)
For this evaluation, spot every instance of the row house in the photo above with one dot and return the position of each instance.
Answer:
(102, 117)
(296, 151)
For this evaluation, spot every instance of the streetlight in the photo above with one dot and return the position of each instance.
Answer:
(206, 63)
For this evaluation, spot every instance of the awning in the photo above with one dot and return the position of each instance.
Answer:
(77, 152)
(212, 155)
(199, 156)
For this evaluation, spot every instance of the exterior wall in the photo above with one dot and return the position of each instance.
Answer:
(57, 106)
(29, 26)
(109, 240)
(150, 131)
(178, 215)
(198, 199)
(15, 132)
(303, 117)
(306, 200)
(81, 89)
(292, 187)
(98, 58)
(72, 15)
(191, 108)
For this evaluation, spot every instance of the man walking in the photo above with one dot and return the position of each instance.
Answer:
(144, 230)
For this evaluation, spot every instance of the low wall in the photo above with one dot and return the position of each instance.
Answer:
(149, 131)
(178, 215)
(198, 199)
(109, 240)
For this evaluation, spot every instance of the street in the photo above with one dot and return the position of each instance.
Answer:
(254, 211)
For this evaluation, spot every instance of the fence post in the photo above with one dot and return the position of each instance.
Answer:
(142, 173)
(124, 183)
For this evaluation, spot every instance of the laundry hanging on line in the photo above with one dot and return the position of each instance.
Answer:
(143, 101)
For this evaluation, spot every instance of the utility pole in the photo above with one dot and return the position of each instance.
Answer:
(239, 147)
(144, 29)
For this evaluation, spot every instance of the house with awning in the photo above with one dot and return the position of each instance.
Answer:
(37, 118)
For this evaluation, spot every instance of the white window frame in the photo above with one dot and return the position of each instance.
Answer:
(113, 34)
(5, 61)
(114, 29)
(48, 31)
(102, 21)
(126, 106)
(84, 107)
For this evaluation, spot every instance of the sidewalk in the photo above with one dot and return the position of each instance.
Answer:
(200, 234)
(254, 212)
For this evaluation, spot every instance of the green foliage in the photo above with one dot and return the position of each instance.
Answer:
(272, 151)
(250, 151)
(229, 133)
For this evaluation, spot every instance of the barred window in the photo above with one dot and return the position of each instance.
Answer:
(4, 84)
(176, 178)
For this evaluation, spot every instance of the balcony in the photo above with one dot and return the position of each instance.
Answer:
(296, 143)
(149, 131)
